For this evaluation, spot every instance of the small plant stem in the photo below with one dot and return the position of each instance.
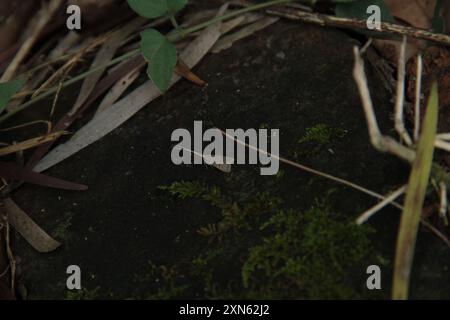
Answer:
(174, 22)
(173, 36)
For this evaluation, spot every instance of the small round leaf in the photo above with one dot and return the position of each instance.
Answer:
(156, 8)
(161, 55)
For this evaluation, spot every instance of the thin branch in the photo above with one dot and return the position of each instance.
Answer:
(443, 136)
(443, 145)
(314, 171)
(380, 142)
(341, 181)
(386, 28)
(369, 213)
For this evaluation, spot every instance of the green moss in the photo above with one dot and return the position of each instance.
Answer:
(168, 277)
(310, 255)
(83, 294)
(260, 250)
(61, 231)
(322, 133)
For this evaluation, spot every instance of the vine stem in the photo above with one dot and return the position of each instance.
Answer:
(174, 22)
(173, 36)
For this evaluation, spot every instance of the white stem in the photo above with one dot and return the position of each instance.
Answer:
(399, 123)
(443, 145)
(443, 136)
(361, 82)
(387, 200)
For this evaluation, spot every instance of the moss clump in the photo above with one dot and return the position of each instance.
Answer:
(258, 250)
(310, 255)
(322, 133)
(83, 294)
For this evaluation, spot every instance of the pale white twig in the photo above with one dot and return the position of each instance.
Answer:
(314, 171)
(380, 142)
(366, 46)
(341, 181)
(399, 122)
(443, 145)
(443, 136)
(361, 81)
(388, 199)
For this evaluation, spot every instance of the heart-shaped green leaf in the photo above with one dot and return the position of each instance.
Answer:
(7, 90)
(161, 55)
(156, 8)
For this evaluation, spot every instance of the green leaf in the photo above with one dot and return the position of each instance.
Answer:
(161, 55)
(156, 8)
(415, 196)
(7, 90)
(358, 9)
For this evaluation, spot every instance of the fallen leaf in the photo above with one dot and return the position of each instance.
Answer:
(67, 120)
(28, 229)
(11, 171)
(119, 88)
(183, 70)
(124, 109)
(104, 55)
(417, 13)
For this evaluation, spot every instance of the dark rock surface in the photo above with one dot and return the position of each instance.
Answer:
(289, 76)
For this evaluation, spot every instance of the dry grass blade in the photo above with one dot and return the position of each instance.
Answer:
(28, 229)
(42, 18)
(104, 55)
(415, 196)
(119, 88)
(31, 143)
(11, 171)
